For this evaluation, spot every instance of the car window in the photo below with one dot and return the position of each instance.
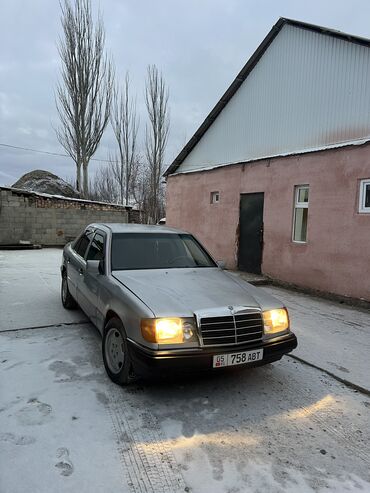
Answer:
(199, 255)
(82, 244)
(96, 250)
(157, 251)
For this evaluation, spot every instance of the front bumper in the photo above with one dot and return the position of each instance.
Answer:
(147, 362)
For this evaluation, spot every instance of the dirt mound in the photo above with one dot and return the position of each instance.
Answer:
(45, 182)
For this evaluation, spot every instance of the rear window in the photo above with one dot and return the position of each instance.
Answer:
(157, 251)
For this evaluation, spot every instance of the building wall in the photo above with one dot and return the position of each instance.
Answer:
(50, 221)
(336, 256)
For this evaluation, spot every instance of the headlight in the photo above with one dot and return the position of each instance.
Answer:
(168, 330)
(275, 321)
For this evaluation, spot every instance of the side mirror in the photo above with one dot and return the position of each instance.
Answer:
(221, 264)
(92, 266)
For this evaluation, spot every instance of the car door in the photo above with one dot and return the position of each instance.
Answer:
(88, 287)
(76, 262)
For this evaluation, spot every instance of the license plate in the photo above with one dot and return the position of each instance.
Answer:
(241, 358)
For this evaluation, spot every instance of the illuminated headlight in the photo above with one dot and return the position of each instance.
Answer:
(168, 330)
(275, 321)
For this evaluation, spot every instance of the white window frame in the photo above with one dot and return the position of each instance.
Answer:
(361, 206)
(299, 205)
(215, 197)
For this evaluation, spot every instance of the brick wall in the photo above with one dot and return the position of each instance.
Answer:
(49, 220)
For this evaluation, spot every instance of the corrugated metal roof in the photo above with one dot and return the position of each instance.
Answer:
(305, 87)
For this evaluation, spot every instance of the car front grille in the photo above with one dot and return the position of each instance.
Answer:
(240, 328)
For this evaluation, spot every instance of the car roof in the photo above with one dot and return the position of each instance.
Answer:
(136, 228)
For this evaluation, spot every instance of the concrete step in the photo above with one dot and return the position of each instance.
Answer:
(255, 279)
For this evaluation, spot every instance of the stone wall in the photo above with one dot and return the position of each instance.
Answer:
(49, 220)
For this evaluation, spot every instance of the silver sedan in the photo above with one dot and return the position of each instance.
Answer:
(164, 305)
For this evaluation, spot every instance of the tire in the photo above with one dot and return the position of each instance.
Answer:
(67, 299)
(116, 356)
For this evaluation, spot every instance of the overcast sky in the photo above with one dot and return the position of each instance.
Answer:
(199, 45)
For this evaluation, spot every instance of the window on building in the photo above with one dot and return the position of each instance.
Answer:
(364, 205)
(215, 197)
(300, 213)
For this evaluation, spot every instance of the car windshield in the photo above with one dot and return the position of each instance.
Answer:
(157, 251)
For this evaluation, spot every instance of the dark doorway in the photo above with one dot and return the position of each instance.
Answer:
(251, 232)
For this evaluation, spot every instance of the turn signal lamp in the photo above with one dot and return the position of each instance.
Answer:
(276, 321)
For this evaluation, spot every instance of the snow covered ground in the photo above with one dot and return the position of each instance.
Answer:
(331, 335)
(286, 427)
(29, 289)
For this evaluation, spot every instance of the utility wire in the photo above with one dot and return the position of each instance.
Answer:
(39, 151)
(49, 153)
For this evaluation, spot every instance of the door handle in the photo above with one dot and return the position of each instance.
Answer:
(80, 271)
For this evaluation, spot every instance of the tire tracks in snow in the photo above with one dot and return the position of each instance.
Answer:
(145, 454)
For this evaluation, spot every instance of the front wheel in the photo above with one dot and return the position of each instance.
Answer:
(67, 299)
(116, 357)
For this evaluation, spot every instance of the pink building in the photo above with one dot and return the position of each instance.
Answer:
(277, 178)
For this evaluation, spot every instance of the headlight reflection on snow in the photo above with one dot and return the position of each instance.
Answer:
(214, 439)
(321, 405)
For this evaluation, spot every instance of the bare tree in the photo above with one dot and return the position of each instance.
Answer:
(156, 100)
(103, 185)
(84, 95)
(125, 127)
(141, 191)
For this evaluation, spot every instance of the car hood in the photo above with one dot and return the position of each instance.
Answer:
(182, 292)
